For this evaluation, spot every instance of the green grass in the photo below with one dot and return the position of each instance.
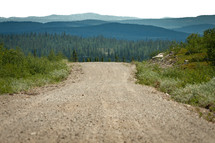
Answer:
(15, 85)
(195, 86)
(20, 73)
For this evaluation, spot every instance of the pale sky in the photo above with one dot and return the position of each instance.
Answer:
(134, 8)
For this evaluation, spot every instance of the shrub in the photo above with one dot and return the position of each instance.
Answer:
(173, 80)
(18, 72)
(169, 85)
(147, 74)
(202, 95)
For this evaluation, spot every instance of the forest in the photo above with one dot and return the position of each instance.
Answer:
(86, 49)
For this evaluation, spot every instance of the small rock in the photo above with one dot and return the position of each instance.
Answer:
(33, 133)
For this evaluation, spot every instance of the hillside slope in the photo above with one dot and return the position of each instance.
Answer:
(195, 28)
(94, 28)
(171, 23)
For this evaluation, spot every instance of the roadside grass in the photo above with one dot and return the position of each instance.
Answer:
(194, 85)
(20, 73)
(15, 85)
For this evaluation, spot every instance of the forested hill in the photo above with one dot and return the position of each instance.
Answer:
(92, 28)
(195, 28)
(93, 48)
(172, 23)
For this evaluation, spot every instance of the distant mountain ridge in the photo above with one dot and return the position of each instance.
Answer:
(199, 29)
(73, 17)
(169, 23)
(172, 23)
(94, 28)
(82, 25)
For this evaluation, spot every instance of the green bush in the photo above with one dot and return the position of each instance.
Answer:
(190, 86)
(202, 95)
(146, 73)
(19, 72)
(168, 85)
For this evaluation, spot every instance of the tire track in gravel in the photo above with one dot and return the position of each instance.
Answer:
(100, 102)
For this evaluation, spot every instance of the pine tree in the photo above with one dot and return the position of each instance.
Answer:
(102, 59)
(51, 56)
(35, 52)
(209, 40)
(116, 58)
(123, 59)
(74, 56)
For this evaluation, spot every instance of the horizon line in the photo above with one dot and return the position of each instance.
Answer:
(166, 17)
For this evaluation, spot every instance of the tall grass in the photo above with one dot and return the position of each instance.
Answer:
(19, 72)
(191, 86)
(202, 95)
(191, 82)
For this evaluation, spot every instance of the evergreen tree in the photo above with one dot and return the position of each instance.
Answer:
(51, 56)
(40, 44)
(74, 56)
(102, 59)
(35, 52)
(116, 58)
(194, 43)
(209, 40)
(123, 59)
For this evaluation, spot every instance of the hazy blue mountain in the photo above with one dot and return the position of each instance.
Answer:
(113, 30)
(79, 20)
(76, 23)
(19, 27)
(195, 28)
(73, 17)
(172, 23)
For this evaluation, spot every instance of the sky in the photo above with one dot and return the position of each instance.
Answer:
(132, 8)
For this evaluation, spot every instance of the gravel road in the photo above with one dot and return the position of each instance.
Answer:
(99, 102)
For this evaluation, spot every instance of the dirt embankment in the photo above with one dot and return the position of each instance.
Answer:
(99, 102)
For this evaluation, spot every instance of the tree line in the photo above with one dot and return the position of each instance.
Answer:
(203, 46)
(82, 49)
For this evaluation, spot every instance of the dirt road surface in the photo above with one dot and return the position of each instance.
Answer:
(99, 102)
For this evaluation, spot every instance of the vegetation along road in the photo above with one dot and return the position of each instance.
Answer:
(99, 102)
